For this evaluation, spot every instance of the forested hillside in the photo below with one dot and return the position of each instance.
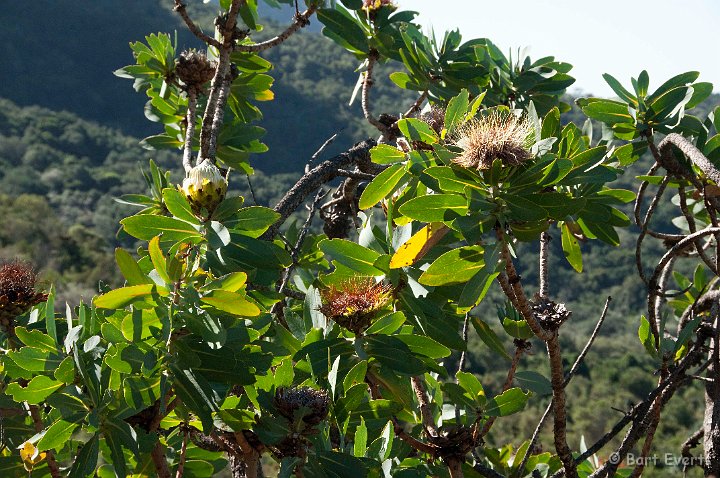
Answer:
(62, 70)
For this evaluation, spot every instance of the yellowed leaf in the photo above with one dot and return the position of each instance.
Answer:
(418, 245)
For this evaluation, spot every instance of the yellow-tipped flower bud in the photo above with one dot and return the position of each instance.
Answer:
(204, 187)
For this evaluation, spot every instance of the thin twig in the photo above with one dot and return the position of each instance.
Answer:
(180, 8)
(416, 106)
(320, 150)
(183, 455)
(461, 362)
(301, 20)
(366, 85)
(543, 267)
(189, 129)
(426, 414)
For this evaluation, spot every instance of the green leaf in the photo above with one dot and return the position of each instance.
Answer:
(405, 81)
(477, 287)
(140, 392)
(178, 205)
(523, 209)
(668, 105)
(435, 207)
(456, 266)
(534, 382)
(352, 256)
(36, 391)
(387, 324)
(344, 27)
(119, 298)
(361, 436)
(571, 248)
(232, 303)
(472, 385)
(195, 393)
(158, 259)
(37, 339)
(456, 110)
(629, 153)
(86, 461)
(682, 79)
(619, 89)
(489, 337)
(130, 269)
(34, 360)
(517, 328)
(332, 464)
(147, 226)
(608, 111)
(551, 124)
(451, 180)
(416, 130)
(384, 184)
(253, 220)
(646, 337)
(393, 353)
(59, 433)
(386, 154)
(119, 434)
(509, 402)
(356, 375)
(422, 345)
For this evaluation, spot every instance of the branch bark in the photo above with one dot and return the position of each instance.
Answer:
(301, 20)
(358, 155)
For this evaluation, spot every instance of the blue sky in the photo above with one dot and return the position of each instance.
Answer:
(620, 37)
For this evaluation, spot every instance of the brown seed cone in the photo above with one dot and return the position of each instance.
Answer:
(312, 404)
(194, 69)
(455, 443)
(551, 315)
(434, 117)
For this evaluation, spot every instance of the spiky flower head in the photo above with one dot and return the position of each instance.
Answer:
(17, 291)
(194, 68)
(204, 187)
(354, 303)
(497, 135)
(302, 403)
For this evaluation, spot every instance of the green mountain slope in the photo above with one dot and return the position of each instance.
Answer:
(61, 55)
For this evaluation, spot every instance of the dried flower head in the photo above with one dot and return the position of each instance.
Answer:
(434, 117)
(500, 135)
(17, 291)
(354, 303)
(302, 403)
(550, 314)
(194, 68)
(204, 187)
